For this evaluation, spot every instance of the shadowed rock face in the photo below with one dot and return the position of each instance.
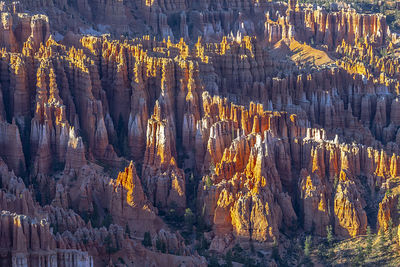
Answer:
(263, 118)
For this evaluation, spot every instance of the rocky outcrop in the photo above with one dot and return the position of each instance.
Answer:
(164, 181)
(11, 147)
(60, 236)
(19, 27)
(314, 196)
(350, 216)
(129, 204)
(320, 160)
(28, 241)
(246, 194)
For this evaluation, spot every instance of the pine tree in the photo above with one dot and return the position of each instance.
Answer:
(382, 241)
(390, 230)
(147, 239)
(127, 230)
(275, 251)
(110, 248)
(108, 220)
(209, 182)
(369, 240)
(329, 235)
(228, 259)
(213, 261)
(307, 246)
(161, 246)
(190, 218)
(360, 257)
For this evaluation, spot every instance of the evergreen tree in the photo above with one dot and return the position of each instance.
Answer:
(213, 261)
(160, 245)
(147, 239)
(192, 185)
(307, 246)
(382, 241)
(191, 178)
(369, 240)
(127, 230)
(209, 182)
(329, 235)
(108, 220)
(172, 215)
(359, 259)
(329, 238)
(390, 230)
(389, 191)
(228, 259)
(275, 251)
(109, 245)
(190, 218)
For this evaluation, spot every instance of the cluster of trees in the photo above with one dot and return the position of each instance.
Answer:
(95, 219)
(367, 247)
(385, 239)
(160, 244)
(111, 248)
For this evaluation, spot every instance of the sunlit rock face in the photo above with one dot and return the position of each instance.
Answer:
(265, 119)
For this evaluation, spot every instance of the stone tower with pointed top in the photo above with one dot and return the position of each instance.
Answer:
(292, 4)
